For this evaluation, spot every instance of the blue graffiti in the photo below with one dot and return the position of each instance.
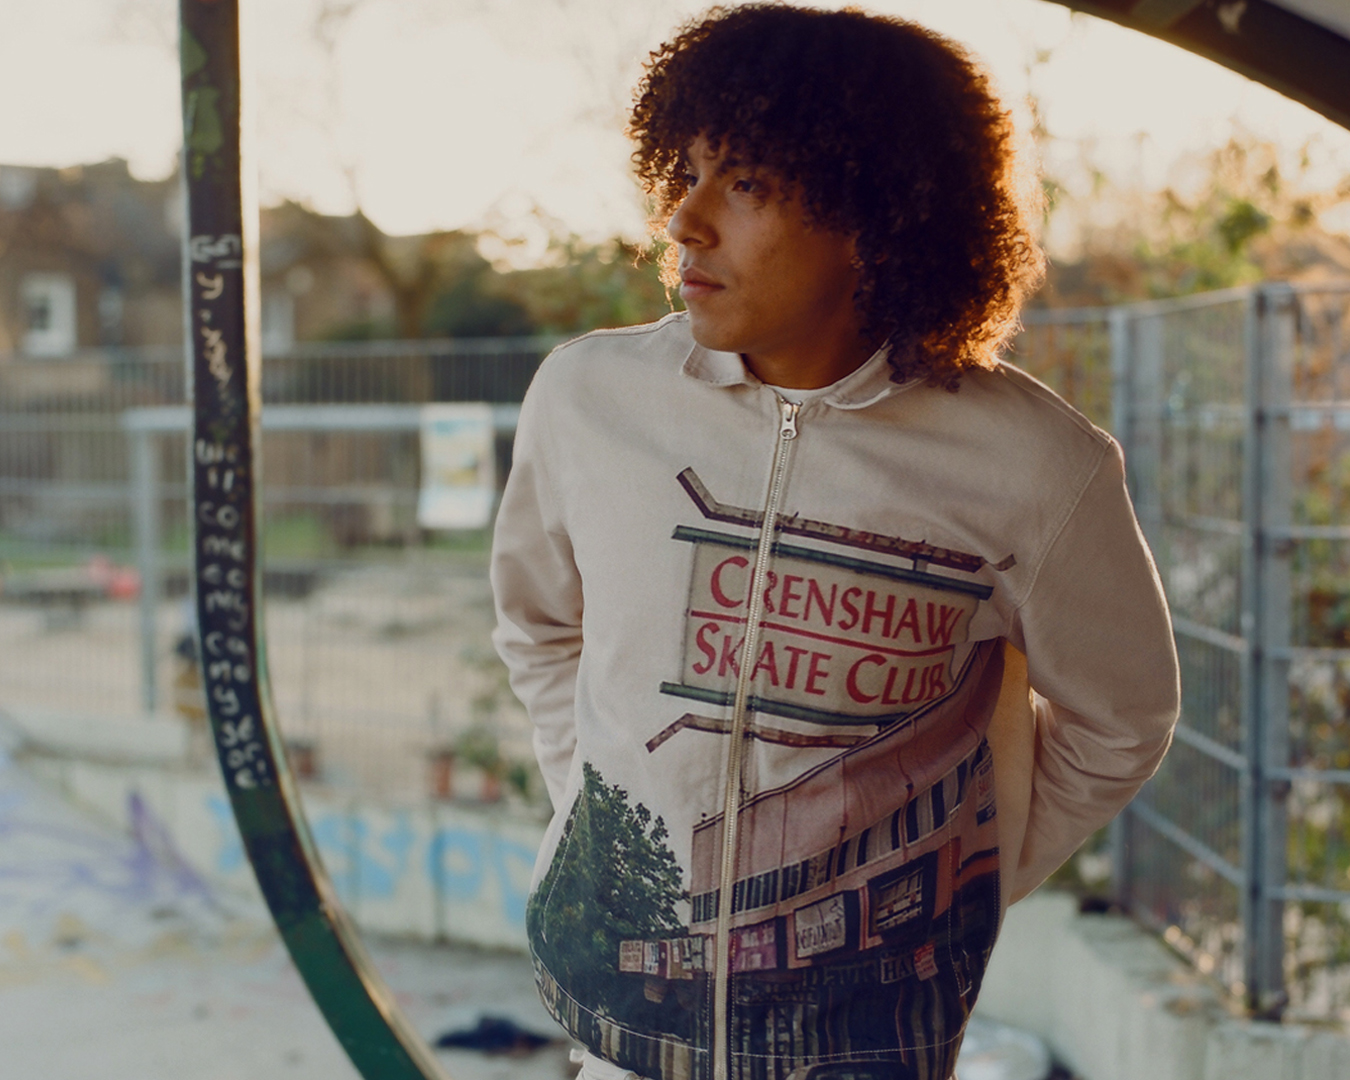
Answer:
(330, 837)
(455, 863)
(458, 862)
(398, 840)
(358, 872)
(514, 894)
(154, 850)
(366, 862)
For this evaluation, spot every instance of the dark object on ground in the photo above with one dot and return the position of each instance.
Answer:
(1098, 905)
(494, 1035)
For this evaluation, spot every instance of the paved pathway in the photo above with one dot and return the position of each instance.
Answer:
(118, 962)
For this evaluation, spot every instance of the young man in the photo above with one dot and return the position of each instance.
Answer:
(838, 634)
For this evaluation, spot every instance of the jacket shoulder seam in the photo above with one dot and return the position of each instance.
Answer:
(1070, 508)
(621, 331)
(1027, 384)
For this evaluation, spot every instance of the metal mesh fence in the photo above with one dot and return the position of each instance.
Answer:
(378, 629)
(1234, 410)
(1070, 351)
(1315, 545)
(1181, 409)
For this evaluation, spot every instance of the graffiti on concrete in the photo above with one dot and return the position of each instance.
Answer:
(378, 855)
(459, 860)
(61, 868)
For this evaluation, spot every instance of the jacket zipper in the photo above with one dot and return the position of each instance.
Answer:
(731, 803)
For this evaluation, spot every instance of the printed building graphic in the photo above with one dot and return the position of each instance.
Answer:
(865, 896)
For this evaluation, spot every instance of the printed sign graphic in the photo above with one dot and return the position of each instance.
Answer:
(459, 474)
(842, 638)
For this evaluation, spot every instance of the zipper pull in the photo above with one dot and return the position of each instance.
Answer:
(787, 430)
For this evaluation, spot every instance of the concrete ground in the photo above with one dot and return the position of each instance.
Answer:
(117, 961)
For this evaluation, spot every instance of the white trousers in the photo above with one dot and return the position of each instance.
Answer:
(594, 1068)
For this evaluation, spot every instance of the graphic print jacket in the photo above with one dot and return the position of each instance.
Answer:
(817, 691)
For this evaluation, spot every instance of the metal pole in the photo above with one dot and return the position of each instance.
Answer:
(1119, 328)
(1123, 409)
(1265, 626)
(145, 525)
(1276, 590)
(1146, 429)
(220, 267)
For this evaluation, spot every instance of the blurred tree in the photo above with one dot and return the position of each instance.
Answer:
(1252, 216)
(584, 286)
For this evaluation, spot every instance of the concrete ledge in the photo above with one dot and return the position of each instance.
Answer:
(1114, 1003)
(160, 740)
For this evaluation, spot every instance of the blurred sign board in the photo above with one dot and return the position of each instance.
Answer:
(459, 466)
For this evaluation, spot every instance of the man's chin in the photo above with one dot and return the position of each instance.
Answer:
(711, 336)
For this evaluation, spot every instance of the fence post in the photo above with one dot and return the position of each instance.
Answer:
(1123, 410)
(1265, 626)
(1147, 424)
(145, 527)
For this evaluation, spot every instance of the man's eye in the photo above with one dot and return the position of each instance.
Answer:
(748, 185)
(689, 179)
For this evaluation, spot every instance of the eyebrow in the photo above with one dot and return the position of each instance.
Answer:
(728, 163)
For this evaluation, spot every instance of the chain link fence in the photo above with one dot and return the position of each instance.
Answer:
(378, 629)
(1234, 411)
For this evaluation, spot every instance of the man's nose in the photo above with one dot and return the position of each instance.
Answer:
(689, 224)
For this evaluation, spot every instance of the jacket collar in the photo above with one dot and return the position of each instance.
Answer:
(867, 385)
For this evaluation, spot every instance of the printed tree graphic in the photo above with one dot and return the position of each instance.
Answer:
(613, 879)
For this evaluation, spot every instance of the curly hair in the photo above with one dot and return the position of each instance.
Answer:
(888, 132)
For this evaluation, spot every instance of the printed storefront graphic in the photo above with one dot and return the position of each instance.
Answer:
(853, 953)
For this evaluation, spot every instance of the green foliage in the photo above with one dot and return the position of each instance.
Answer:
(296, 536)
(588, 286)
(1252, 215)
(461, 541)
(1321, 566)
(478, 746)
(362, 330)
(468, 309)
(612, 880)
(1087, 872)
(1240, 222)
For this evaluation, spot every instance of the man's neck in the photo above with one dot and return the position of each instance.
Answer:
(809, 369)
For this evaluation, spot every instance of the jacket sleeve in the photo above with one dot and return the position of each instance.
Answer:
(1103, 666)
(537, 590)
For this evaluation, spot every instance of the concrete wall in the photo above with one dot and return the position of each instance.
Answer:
(1115, 1004)
(432, 871)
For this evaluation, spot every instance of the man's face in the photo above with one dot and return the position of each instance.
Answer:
(759, 281)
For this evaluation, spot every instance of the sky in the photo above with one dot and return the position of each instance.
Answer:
(471, 113)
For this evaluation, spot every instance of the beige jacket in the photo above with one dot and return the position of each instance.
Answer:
(947, 665)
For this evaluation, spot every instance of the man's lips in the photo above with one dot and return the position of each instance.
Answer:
(694, 285)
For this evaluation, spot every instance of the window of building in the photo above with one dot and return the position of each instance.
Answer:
(278, 321)
(49, 314)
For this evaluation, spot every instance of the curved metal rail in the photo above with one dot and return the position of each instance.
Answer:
(221, 300)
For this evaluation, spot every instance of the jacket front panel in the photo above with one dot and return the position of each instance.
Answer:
(865, 887)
